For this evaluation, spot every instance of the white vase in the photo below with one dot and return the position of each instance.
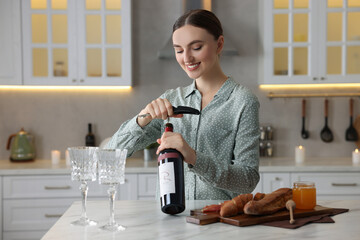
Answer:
(149, 154)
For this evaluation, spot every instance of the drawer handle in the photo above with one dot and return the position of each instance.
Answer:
(57, 188)
(344, 184)
(53, 215)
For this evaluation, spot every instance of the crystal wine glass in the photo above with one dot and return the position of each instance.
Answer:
(111, 171)
(83, 169)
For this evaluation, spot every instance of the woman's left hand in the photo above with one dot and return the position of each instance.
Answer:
(176, 141)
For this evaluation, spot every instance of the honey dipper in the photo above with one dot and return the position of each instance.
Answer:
(290, 205)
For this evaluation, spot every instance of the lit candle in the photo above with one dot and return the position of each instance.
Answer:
(299, 154)
(67, 158)
(55, 157)
(356, 156)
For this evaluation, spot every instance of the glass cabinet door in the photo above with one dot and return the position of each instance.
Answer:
(46, 42)
(82, 42)
(342, 40)
(101, 45)
(311, 41)
(290, 44)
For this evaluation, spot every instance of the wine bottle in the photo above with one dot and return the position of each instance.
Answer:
(90, 138)
(171, 179)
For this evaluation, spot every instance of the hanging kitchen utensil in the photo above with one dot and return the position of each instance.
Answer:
(357, 127)
(304, 133)
(351, 134)
(326, 134)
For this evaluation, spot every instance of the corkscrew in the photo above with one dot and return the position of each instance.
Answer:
(177, 110)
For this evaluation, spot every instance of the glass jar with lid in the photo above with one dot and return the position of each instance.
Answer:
(304, 195)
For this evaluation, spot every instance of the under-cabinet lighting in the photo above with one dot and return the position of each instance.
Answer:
(309, 86)
(93, 88)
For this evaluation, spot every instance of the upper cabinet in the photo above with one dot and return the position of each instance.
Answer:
(82, 42)
(311, 41)
(10, 43)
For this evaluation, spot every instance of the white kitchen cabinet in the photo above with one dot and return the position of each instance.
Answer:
(329, 186)
(314, 41)
(273, 181)
(1, 211)
(129, 190)
(258, 187)
(32, 204)
(147, 186)
(20, 187)
(77, 42)
(26, 235)
(10, 43)
(34, 214)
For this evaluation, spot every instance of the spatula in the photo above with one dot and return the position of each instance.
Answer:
(351, 134)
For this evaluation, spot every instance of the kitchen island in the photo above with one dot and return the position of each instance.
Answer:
(144, 220)
(42, 192)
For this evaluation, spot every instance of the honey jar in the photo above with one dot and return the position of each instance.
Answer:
(304, 195)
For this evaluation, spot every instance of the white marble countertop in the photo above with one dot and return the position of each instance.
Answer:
(138, 165)
(144, 220)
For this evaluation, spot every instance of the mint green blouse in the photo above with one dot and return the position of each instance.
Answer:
(225, 137)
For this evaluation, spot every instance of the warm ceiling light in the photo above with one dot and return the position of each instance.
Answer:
(94, 88)
(309, 86)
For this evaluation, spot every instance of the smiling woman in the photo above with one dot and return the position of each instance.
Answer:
(220, 146)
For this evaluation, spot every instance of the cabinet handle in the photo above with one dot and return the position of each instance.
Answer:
(323, 78)
(52, 215)
(57, 188)
(74, 80)
(344, 184)
(81, 80)
(315, 78)
(277, 179)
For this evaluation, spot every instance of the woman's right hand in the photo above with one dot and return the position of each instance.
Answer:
(159, 108)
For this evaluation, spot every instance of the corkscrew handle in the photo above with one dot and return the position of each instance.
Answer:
(178, 110)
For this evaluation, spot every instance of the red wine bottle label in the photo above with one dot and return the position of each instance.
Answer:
(167, 178)
(168, 155)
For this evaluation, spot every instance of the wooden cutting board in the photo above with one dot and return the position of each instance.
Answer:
(242, 220)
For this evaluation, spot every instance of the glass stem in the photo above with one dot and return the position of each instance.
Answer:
(112, 193)
(84, 190)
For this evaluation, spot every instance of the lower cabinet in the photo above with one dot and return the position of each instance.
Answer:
(24, 235)
(147, 186)
(332, 186)
(30, 205)
(1, 208)
(273, 181)
(33, 214)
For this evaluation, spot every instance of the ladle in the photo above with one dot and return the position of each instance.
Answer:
(304, 133)
(326, 134)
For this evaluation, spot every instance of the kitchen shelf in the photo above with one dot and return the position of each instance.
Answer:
(307, 95)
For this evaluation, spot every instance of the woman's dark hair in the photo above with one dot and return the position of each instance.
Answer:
(200, 18)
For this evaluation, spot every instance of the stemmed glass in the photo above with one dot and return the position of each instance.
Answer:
(83, 169)
(111, 171)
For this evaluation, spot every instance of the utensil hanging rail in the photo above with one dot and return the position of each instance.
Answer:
(306, 95)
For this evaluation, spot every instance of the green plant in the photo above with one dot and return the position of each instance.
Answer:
(152, 145)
